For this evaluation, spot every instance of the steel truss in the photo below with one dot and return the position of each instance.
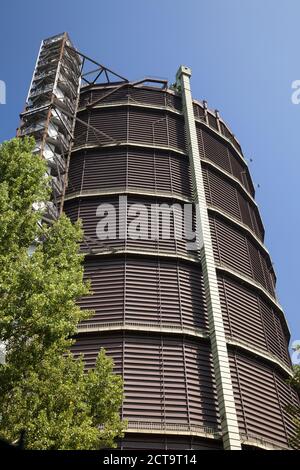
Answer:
(50, 112)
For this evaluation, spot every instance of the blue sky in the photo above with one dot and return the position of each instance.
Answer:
(244, 55)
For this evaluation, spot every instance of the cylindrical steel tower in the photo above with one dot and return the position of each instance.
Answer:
(198, 336)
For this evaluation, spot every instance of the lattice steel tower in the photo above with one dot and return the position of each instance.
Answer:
(198, 336)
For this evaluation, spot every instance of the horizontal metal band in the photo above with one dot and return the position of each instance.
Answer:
(146, 327)
(126, 192)
(148, 427)
(133, 84)
(166, 148)
(132, 103)
(241, 344)
(261, 443)
(150, 254)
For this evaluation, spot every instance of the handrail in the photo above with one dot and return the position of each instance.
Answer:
(268, 355)
(175, 427)
(265, 442)
(176, 328)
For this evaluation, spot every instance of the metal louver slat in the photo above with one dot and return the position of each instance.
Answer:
(212, 121)
(111, 125)
(75, 174)
(215, 151)
(104, 171)
(142, 95)
(223, 195)
(232, 248)
(148, 127)
(241, 309)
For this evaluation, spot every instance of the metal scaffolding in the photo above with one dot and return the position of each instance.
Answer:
(50, 112)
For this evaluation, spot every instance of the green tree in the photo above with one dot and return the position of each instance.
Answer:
(44, 389)
(294, 409)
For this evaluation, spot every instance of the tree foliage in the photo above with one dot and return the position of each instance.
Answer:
(44, 390)
(294, 409)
